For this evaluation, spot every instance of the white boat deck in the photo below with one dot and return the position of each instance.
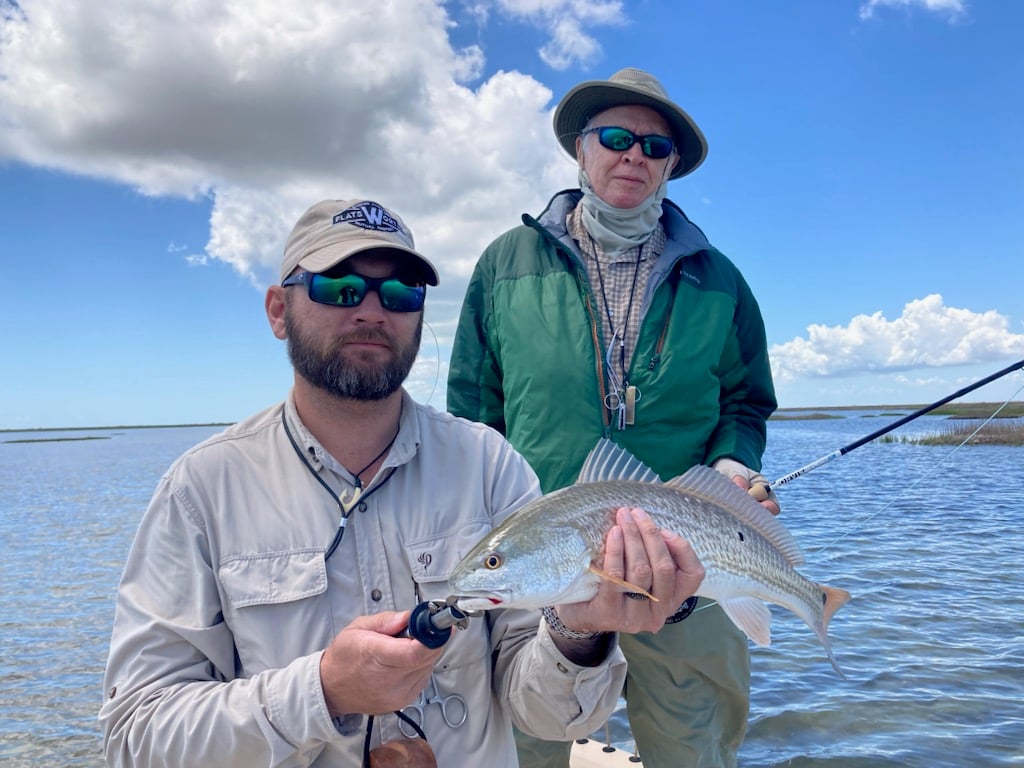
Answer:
(595, 754)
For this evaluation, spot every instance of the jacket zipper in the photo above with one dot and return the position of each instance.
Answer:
(674, 285)
(595, 337)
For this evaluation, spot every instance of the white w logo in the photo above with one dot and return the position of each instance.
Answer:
(374, 214)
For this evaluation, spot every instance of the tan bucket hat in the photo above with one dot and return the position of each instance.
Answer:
(629, 86)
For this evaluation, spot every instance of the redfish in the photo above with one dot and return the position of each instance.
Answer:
(546, 553)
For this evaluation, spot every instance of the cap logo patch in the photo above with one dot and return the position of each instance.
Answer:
(368, 215)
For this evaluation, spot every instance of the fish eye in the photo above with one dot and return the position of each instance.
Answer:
(492, 561)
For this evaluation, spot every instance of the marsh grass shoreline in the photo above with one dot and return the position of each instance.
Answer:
(1006, 428)
(962, 432)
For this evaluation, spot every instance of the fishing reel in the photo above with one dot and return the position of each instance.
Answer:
(431, 621)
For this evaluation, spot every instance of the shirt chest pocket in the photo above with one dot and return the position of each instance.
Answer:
(276, 605)
(430, 561)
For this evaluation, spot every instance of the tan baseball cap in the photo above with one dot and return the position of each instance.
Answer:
(334, 230)
(629, 86)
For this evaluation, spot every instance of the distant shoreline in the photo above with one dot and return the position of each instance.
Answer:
(1014, 409)
(118, 426)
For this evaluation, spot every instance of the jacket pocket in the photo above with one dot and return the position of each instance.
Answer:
(276, 605)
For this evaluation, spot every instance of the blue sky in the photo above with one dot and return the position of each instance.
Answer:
(864, 172)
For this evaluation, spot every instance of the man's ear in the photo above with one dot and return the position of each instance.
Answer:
(274, 303)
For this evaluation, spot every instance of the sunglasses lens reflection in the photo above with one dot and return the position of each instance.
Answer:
(621, 139)
(399, 297)
(350, 290)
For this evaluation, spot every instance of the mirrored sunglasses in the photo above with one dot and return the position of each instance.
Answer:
(349, 290)
(621, 139)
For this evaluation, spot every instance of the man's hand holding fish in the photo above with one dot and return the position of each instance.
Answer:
(649, 573)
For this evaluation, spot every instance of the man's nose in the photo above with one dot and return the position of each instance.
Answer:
(635, 154)
(370, 308)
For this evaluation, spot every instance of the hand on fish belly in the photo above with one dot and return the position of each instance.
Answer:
(647, 573)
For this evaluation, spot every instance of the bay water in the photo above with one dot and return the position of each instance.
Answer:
(928, 540)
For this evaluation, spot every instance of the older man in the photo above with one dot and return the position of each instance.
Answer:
(611, 315)
(261, 613)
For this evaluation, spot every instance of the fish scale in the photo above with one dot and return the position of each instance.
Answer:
(549, 551)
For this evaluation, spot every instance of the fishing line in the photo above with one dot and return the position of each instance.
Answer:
(437, 367)
(925, 475)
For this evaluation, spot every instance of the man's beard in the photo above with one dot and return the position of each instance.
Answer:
(328, 370)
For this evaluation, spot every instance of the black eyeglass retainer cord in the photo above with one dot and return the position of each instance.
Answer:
(343, 522)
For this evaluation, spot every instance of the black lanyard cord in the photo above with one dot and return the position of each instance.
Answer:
(613, 379)
(343, 521)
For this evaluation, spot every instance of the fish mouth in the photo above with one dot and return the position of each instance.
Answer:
(472, 603)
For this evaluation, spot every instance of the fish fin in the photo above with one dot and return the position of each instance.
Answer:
(608, 461)
(750, 615)
(715, 488)
(623, 583)
(834, 599)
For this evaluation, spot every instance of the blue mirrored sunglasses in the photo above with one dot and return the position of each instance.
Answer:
(350, 290)
(620, 139)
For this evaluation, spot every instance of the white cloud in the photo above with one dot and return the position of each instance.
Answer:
(565, 21)
(953, 10)
(927, 335)
(265, 111)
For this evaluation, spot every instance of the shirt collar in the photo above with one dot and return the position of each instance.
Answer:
(403, 450)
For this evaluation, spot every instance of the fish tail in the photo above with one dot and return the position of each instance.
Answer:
(834, 599)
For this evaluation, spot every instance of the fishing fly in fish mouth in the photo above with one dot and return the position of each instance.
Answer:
(544, 554)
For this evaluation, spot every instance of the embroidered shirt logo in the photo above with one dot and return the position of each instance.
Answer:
(369, 215)
(425, 559)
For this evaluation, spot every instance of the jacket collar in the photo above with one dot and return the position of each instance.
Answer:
(683, 237)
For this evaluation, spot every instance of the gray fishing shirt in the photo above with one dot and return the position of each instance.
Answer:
(227, 602)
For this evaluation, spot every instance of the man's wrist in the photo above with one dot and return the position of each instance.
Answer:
(555, 625)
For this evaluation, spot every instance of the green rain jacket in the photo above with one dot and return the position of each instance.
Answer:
(528, 357)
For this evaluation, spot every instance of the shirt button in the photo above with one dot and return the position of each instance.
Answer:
(362, 506)
(376, 595)
(561, 668)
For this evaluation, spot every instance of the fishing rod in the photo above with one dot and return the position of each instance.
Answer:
(879, 432)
